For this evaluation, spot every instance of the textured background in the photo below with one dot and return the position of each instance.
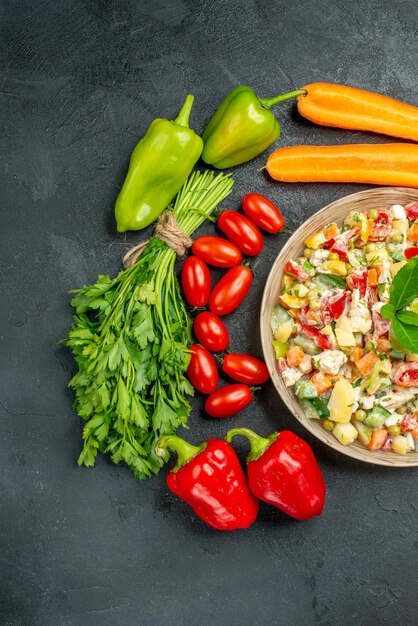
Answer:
(80, 81)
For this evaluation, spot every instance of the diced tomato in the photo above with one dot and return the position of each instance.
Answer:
(405, 374)
(307, 316)
(378, 439)
(387, 446)
(381, 326)
(281, 364)
(320, 340)
(381, 227)
(296, 270)
(408, 423)
(411, 211)
(371, 296)
(411, 252)
(332, 307)
(342, 243)
(358, 280)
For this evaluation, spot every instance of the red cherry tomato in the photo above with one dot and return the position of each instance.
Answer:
(263, 212)
(211, 332)
(228, 400)
(195, 281)
(202, 370)
(230, 290)
(242, 232)
(217, 251)
(245, 369)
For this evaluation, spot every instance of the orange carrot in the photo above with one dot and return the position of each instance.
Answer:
(295, 356)
(383, 164)
(372, 277)
(356, 355)
(367, 363)
(321, 382)
(347, 107)
(412, 234)
(383, 344)
(313, 316)
(378, 439)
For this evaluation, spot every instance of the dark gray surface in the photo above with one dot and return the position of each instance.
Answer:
(79, 83)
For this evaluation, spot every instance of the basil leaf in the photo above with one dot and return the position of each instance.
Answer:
(405, 285)
(407, 317)
(406, 334)
(388, 311)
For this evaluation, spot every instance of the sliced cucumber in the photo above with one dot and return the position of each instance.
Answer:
(377, 417)
(315, 408)
(330, 281)
(305, 389)
(306, 343)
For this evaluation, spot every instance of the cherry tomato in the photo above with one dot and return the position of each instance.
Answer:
(195, 281)
(263, 212)
(211, 332)
(242, 232)
(217, 251)
(202, 370)
(228, 400)
(245, 369)
(230, 290)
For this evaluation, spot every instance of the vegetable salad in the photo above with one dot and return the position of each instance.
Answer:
(333, 345)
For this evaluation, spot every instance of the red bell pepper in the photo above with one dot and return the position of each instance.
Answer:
(381, 227)
(210, 479)
(332, 307)
(411, 211)
(313, 333)
(296, 270)
(411, 252)
(358, 280)
(341, 243)
(283, 471)
(405, 374)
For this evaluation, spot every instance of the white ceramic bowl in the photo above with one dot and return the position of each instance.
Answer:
(335, 212)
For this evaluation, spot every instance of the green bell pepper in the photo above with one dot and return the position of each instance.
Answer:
(242, 127)
(159, 165)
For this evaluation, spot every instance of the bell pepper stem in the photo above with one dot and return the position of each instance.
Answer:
(269, 102)
(258, 444)
(182, 118)
(185, 451)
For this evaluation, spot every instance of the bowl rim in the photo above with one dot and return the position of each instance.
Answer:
(289, 398)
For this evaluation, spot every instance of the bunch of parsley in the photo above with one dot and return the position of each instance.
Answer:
(130, 338)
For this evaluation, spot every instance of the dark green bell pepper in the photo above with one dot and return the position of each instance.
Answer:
(159, 165)
(242, 128)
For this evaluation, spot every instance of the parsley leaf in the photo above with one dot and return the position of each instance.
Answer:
(406, 334)
(404, 287)
(388, 311)
(407, 317)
